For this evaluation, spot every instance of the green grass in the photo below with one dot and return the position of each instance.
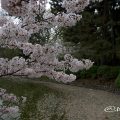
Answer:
(36, 94)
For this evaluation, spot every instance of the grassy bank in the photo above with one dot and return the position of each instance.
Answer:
(42, 102)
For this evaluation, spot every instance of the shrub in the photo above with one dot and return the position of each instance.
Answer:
(81, 74)
(103, 72)
(108, 72)
(114, 72)
(117, 81)
(91, 73)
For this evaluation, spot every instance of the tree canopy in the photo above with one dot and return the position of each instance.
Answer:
(97, 33)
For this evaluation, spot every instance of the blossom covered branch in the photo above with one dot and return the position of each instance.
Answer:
(43, 59)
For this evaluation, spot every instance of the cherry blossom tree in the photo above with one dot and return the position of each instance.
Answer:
(42, 59)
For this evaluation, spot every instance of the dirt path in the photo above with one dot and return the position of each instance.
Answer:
(87, 104)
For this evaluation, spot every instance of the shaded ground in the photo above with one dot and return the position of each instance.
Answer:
(100, 84)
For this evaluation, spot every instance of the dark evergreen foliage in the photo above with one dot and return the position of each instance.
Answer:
(98, 32)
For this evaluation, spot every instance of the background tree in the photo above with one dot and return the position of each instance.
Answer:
(97, 32)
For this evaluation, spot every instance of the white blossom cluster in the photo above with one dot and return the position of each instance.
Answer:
(14, 7)
(9, 105)
(75, 5)
(3, 20)
(9, 67)
(29, 11)
(43, 60)
(11, 35)
(67, 20)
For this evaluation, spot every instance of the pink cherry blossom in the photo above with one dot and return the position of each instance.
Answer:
(42, 59)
